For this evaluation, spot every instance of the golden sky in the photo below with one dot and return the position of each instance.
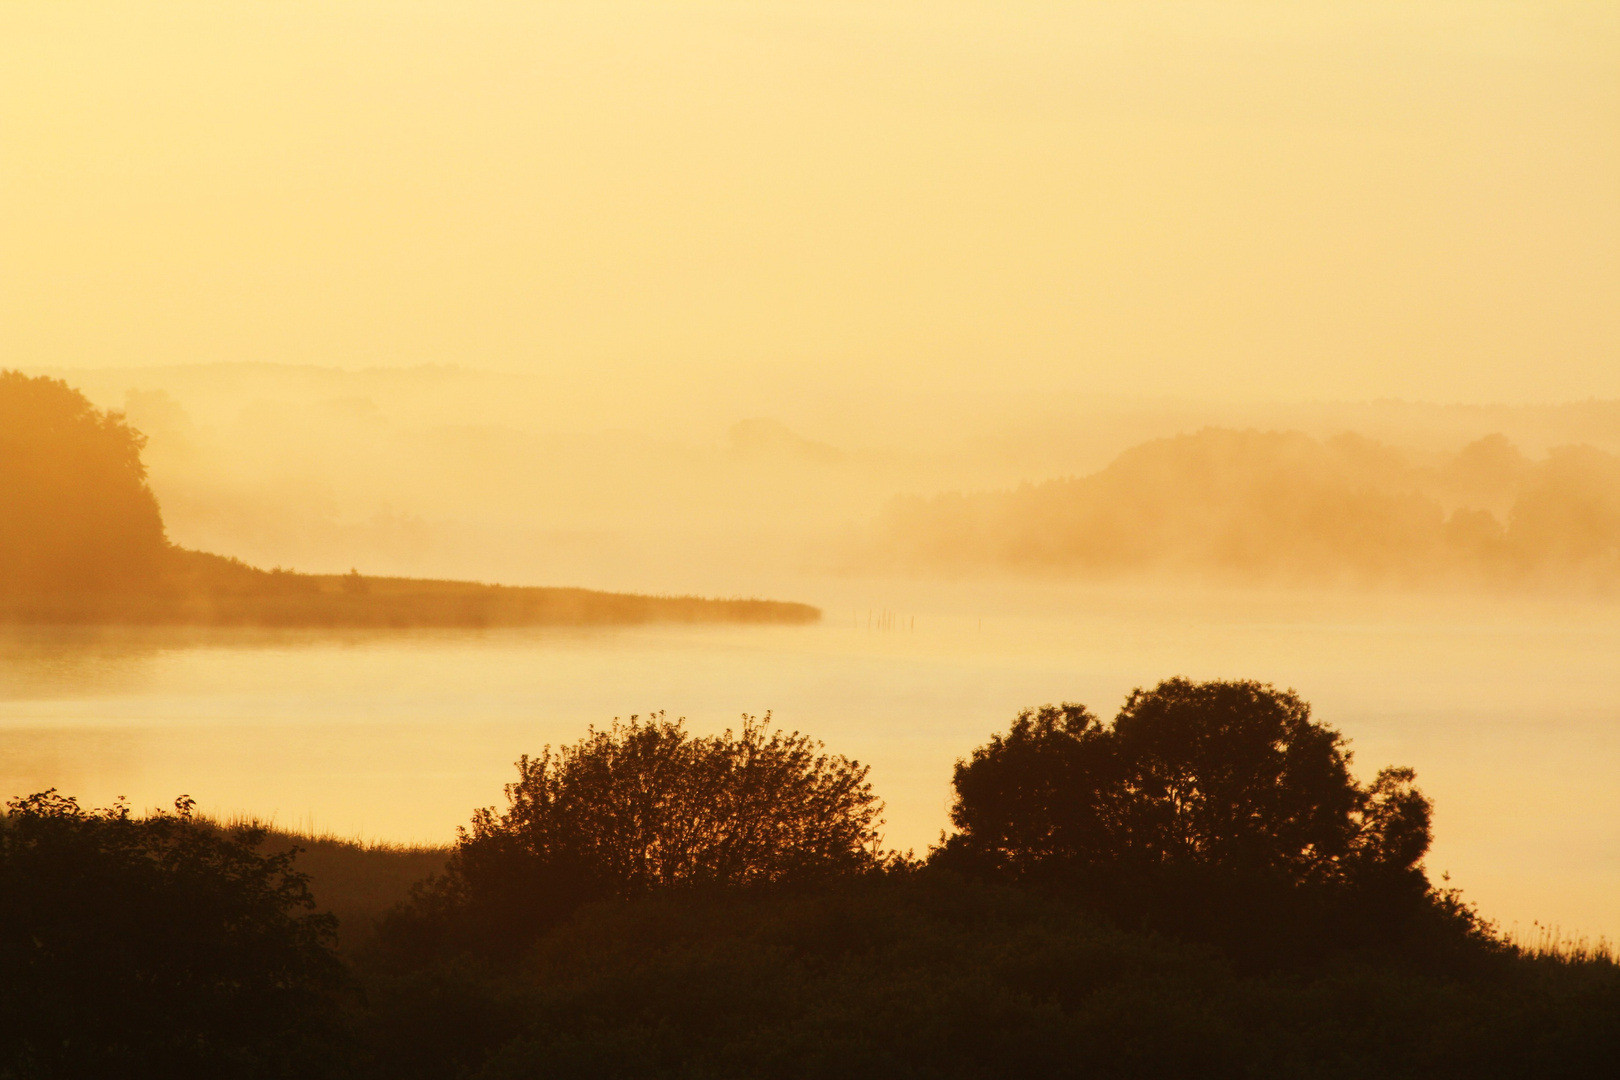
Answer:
(1220, 200)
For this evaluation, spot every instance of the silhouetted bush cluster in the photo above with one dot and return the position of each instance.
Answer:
(1199, 888)
(647, 805)
(156, 947)
(1228, 774)
(1217, 809)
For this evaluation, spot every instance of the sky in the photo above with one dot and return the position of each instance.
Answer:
(645, 204)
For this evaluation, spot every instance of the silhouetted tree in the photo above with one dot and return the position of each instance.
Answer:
(158, 946)
(76, 514)
(1048, 790)
(1233, 775)
(1393, 826)
(647, 805)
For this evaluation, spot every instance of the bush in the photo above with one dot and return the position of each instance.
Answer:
(158, 946)
(644, 806)
(1198, 889)
(1215, 810)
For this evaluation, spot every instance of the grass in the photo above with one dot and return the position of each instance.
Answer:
(355, 880)
(199, 589)
(1544, 942)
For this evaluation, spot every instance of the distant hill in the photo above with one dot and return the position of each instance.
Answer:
(82, 540)
(1283, 507)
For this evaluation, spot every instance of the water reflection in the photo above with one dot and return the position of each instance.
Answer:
(1510, 715)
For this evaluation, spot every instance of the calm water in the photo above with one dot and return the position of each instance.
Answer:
(1511, 715)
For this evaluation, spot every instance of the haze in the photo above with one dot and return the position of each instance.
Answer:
(836, 210)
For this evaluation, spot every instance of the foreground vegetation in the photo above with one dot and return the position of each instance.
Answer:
(82, 541)
(1199, 887)
(933, 975)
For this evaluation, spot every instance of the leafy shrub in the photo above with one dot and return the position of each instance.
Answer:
(646, 805)
(157, 946)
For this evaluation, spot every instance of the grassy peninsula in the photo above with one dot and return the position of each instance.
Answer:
(82, 541)
(199, 589)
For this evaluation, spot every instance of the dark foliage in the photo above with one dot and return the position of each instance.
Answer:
(925, 975)
(1227, 774)
(1046, 791)
(1198, 889)
(1232, 774)
(156, 947)
(644, 806)
(1216, 810)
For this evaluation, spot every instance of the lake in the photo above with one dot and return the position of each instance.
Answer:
(1510, 712)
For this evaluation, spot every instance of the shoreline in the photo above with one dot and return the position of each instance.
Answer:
(332, 601)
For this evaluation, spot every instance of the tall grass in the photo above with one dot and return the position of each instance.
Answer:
(1548, 942)
(356, 880)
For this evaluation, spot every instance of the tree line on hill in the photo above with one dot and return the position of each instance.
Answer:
(1198, 887)
(1281, 507)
